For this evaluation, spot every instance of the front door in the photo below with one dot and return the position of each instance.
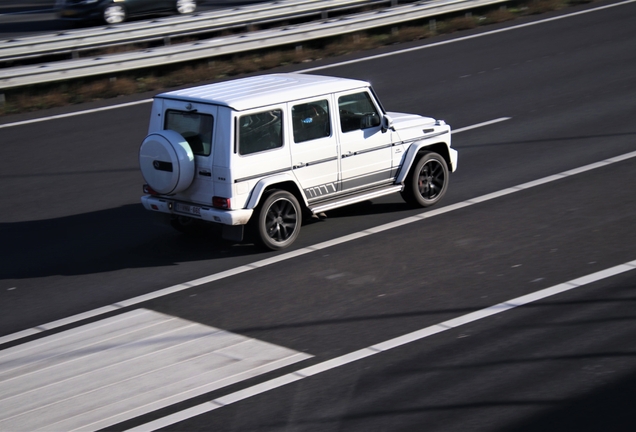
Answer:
(366, 154)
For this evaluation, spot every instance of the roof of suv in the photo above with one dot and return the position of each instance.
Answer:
(258, 91)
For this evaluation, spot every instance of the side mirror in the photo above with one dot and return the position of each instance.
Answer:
(369, 120)
(387, 123)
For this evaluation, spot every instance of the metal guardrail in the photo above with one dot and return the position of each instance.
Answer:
(164, 29)
(115, 63)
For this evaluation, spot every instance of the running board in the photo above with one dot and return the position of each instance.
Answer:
(352, 199)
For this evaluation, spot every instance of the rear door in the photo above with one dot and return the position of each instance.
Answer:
(314, 149)
(196, 123)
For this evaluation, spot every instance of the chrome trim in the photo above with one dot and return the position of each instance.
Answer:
(369, 150)
(317, 162)
(267, 174)
(420, 138)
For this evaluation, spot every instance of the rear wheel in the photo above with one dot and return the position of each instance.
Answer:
(114, 14)
(184, 224)
(279, 219)
(186, 6)
(427, 182)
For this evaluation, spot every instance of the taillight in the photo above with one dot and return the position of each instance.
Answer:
(220, 202)
(149, 190)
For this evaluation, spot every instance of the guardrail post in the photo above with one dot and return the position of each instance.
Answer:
(432, 25)
(166, 40)
(3, 100)
(74, 54)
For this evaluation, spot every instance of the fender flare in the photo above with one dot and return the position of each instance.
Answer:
(449, 154)
(263, 184)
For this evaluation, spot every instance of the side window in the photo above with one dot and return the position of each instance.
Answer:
(195, 127)
(311, 121)
(357, 112)
(260, 131)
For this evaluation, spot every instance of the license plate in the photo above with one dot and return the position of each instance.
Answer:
(185, 208)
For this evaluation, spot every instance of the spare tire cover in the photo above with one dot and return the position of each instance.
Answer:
(167, 162)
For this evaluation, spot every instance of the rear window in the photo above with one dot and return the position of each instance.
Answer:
(260, 131)
(195, 127)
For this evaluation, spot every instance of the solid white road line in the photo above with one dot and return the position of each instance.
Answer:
(333, 65)
(221, 275)
(465, 38)
(73, 114)
(382, 347)
(313, 248)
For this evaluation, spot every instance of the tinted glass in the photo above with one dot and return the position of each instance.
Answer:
(195, 127)
(311, 121)
(357, 112)
(261, 131)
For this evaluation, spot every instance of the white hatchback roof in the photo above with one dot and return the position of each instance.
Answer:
(258, 91)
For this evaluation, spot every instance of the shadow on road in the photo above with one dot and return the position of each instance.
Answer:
(128, 237)
(113, 239)
(609, 408)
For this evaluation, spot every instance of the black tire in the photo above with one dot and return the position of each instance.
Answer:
(278, 220)
(184, 224)
(427, 181)
(114, 14)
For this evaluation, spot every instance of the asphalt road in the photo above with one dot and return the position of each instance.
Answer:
(75, 238)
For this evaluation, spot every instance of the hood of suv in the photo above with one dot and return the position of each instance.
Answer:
(410, 126)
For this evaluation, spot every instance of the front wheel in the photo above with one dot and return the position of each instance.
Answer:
(114, 14)
(279, 219)
(186, 6)
(427, 182)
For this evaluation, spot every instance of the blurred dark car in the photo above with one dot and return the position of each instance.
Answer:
(116, 11)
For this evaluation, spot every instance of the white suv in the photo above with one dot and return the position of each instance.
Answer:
(264, 151)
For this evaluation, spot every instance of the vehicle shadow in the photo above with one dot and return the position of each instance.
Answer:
(127, 237)
(106, 240)
(371, 208)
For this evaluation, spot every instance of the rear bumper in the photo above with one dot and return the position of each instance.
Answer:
(225, 217)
